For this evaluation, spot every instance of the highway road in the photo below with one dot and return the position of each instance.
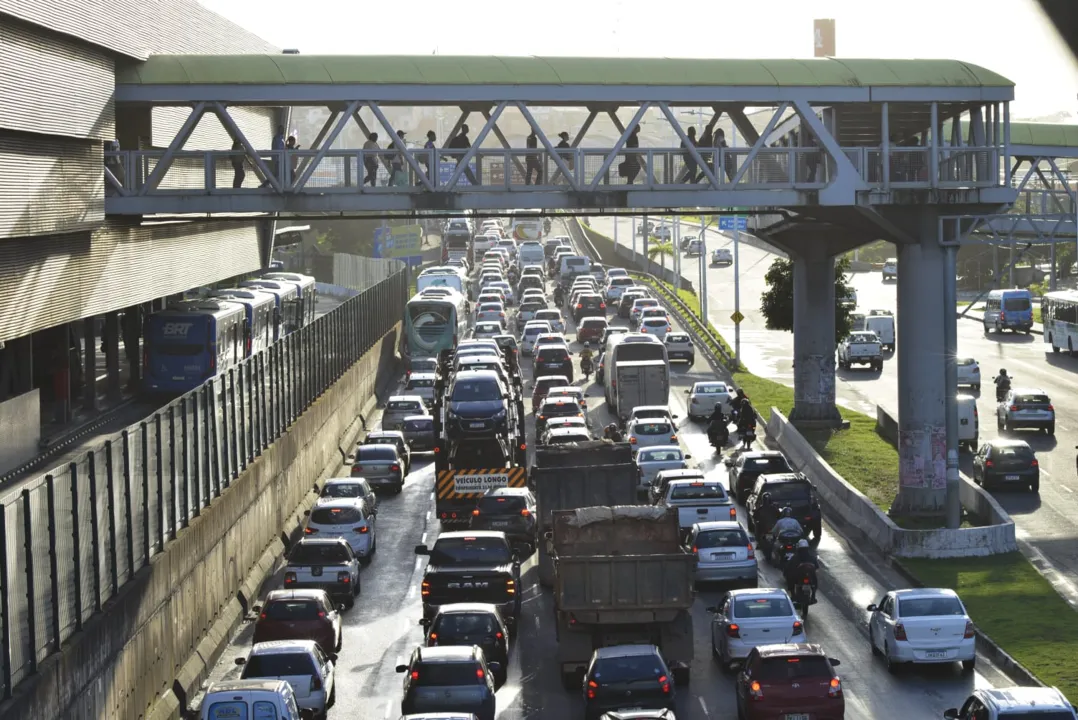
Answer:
(1045, 523)
(382, 629)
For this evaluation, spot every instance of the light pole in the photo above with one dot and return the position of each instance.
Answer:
(702, 263)
(737, 293)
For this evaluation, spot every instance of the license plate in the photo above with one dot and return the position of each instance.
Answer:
(500, 523)
(316, 571)
(936, 655)
(722, 556)
(1012, 477)
(797, 716)
(477, 425)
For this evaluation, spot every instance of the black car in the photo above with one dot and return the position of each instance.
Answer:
(627, 676)
(470, 624)
(529, 281)
(1007, 463)
(589, 305)
(553, 407)
(553, 360)
(471, 566)
(453, 678)
(626, 303)
(478, 405)
(511, 511)
(750, 465)
(792, 490)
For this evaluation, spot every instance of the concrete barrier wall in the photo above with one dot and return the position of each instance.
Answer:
(154, 642)
(844, 504)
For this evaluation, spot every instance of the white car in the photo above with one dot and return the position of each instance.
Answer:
(614, 272)
(554, 317)
(721, 257)
(652, 411)
(575, 422)
(574, 391)
(969, 373)
(926, 625)
(657, 326)
(487, 330)
(490, 312)
(421, 384)
(650, 432)
(753, 616)
(704, 396)
(300, 663)
(567, 435)
(650, 461)
(531, 331)
(506, 287)
(617, 285)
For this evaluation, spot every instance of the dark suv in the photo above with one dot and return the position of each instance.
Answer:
(792, 490)
(589, 305)
(553, 360)
(471, 566)
(511, 511)
(750, 465)
(439, 679)
(478, 405)
(627, 676)
(470, 624)
(591, 329)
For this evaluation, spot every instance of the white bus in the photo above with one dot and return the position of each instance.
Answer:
(1059, 313)
(433, 324)
(526, 225)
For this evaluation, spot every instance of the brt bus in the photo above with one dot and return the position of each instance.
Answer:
(527, 225)
(628, 347)
(433, 324)
(308, 300)
(191, 342)
(286, 295)
(262, 315)
(1059, 313)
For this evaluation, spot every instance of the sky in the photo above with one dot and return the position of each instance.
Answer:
(1011, 37)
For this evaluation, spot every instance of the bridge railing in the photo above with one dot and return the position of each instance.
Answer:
(499, 169)
(71, 538)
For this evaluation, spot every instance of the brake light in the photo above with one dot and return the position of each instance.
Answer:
(695, 550)
(322, 614)
(732, 630)
(316, 683)
(1014, 408)
(511, 587)
(900, 632)
(673, 438)
(632, 441)
(835, 688)
(592, 685)
(969, 631)
(395, 468)
(988, 463)
(475, 513)
(752, 552)
(362, 529)
(579, 306)
(415, 674)
(424, 588)
(664, 683)
(525, 512)
(643, 329)
(479, 673)
(1003, 316)
(357, 468)
(289, 577)
(499, 635)
(344, 577)
(1034, 463)
(523, 446)
(1051, 408)
(309, 531)
(755, 691)
(798, 628)
(733, 513)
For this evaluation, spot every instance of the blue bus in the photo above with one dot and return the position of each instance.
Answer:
(286, 295)
(308, 292)
(1009, 309)
(191, 342)
(262, 315)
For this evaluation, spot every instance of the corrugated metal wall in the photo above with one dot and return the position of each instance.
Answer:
(256, 124)
(71, 92)
(49, 184)
(57, 279)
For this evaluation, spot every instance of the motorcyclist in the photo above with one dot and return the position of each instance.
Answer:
(717, 423)
(1003, 383)
(559, 295)
(612, 433)
(786, 525)
(746, 422)
(586, 359)
(804, 565)
(767, 513)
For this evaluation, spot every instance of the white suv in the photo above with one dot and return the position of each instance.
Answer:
(1003, 703)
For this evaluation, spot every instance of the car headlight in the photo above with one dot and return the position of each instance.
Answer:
(500, 415)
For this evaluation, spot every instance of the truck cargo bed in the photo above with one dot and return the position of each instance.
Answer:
(624, 583)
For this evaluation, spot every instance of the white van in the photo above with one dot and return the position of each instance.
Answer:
(968, 422)
(573, 265)
(890, 270)
(531, 253)
(882, 322)
(253, 699)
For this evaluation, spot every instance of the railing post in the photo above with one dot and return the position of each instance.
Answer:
(209, 169)
(209, 427)
(259, 386)
(226, 445)
(76, 545)
(215, 443)
(184, 467)
(54, 575)
(144, 432)
(234, 445)
(28, 557)
(160, 468)
(171, 512)
(129, 541)
(95, 528)
(5, 607)
(249, 388)
(241, 409)
(110, 488)
(196, 458)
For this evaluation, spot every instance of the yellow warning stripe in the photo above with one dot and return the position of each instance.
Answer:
(445, 486)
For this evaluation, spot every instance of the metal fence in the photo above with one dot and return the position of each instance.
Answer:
(73, 537)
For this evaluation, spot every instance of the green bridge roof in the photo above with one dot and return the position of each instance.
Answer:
(1044, 134)
(487, 70)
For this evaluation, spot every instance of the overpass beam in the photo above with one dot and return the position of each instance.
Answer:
(814, 338)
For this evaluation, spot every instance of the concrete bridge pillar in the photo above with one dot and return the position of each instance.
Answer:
(814, 338)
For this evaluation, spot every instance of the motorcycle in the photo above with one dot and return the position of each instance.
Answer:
(586, 367)
(803, 597)
(748, 437)
(719, 434)
(784, 550)
(1002, 388)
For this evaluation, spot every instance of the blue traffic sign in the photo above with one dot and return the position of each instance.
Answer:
(733, 222)
(413, 260)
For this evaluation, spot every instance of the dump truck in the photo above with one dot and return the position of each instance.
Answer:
(566, 477)
(621, 576)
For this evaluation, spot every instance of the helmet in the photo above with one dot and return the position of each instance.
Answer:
(803, 544)
(1003, 371)
(766, 497)
(587, 345)
(787, 512)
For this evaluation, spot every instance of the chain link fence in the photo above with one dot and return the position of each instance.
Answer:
(74, 536)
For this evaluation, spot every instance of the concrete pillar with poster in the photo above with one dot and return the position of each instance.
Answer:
(823, 38)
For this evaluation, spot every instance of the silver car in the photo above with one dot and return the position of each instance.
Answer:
(724, 553)
(554, 317)
(657, 326)
(399, 407)
(650, 461)
(679, 347)
(704, 396)
(764, 616)
(347, 518)
(531, 331)
(1026, 408)
(419, 432)
(650, 432)
(421, 384)
(381, 465)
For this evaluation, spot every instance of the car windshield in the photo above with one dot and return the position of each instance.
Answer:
(627, 668)
(278, 665)
(501, 504)
(343, 490)
(711, 389)
(468, 624)
(447, 674)
(792, 669)
(595, 323)
(403, 405)
(476, 391)
(762, 607)
(470, 551)
(412, 384)
(418, 425)
(721, 538)
(674, 338)
(929, 607)
(1012, 452)
(697, 491)
(376, 453)
(1016, 304)
(1032, 399)
(862, 338)
(320, 554)
(655, 322)
(766, 465)
(1036, 715)
(659, 456)
(650, 428)
(561, 407)
(966, 361)
(791, 492)
(552, 355)
(336, 515)
(292, 610)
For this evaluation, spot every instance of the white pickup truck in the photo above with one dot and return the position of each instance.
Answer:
(699, 501)
(861, 348)
(324, 564)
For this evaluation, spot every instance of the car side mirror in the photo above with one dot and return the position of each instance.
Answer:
(834, 662)
(494, 667)
(402, 668)
(332, 657)
(688, 392)
(712, 608)
(872, 607)
(256, 608)
(425, 622)
(307, 714)
(951, 713)
(340, 608)
(688, 457)
(306, 513)
(422, 550)
(241, 661)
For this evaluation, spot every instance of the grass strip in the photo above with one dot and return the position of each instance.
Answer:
(1015, 606)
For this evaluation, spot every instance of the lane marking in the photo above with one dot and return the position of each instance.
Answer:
(423, 539)
(1066, 488)
(703, 705)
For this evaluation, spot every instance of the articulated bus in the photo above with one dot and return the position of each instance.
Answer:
(192, 342)
(527, 225)
(1059, 313)
(308, 293)
(262, 315)
(433, 324)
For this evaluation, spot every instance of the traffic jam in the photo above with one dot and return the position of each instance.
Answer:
(563, 512)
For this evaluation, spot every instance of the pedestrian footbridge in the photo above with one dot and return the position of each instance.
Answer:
(868, 137)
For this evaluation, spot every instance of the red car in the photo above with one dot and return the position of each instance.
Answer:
(591, 329)
(299, 615)
(782, 681)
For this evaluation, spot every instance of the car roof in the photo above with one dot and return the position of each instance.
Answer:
(563, 431)
(664, 408)
(446, 653)
(778, 478)
(418, 417)
(687, 482)
(616, 651)
(332, 502)
(719, 525)
(650, 421)
(264, 684)
(790, 650)
(507, 492)
(1014, 698)
(469, 607)
(681, 474)
(569, 389)
(395, 434)
(343, 481)
(757, 454)
(476, 375)
(305, 594)
(422, 376)
(403, 398)
(322, 540)
(461, 534)
(710, 383)
(1007, 442)
(911, 593)
(660, 448)
(279, 647)
(552, 378)
(1029, 391)
(553, 423)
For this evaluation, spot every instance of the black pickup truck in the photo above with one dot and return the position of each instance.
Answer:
(471, 566)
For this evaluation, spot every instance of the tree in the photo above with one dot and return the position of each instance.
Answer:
(777, 302)
(662, 249)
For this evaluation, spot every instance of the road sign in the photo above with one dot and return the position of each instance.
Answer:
(737, 317)
(733, 222)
